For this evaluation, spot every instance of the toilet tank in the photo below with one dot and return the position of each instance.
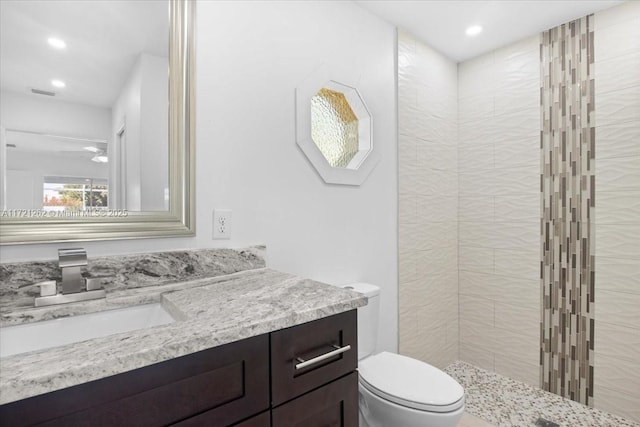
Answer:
(367, 318)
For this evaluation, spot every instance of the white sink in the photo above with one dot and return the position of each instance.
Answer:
(53, 333)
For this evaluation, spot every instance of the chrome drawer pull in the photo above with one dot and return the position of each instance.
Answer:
(338, 350)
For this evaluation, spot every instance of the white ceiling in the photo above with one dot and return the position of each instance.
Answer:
(442, 24)
(43, 143)
(104, 39)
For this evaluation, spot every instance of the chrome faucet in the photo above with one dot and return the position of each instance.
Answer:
(70, 261)
(73, 287)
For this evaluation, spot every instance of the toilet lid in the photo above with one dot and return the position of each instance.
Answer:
(410, 382)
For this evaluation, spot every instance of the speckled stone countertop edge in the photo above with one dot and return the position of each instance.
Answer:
(215, 313)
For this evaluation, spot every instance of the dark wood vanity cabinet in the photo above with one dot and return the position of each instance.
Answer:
(248, 383)
(224, 383)
(324, 393)
(335, 404)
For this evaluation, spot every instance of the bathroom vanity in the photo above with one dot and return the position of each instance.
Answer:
(255, 348)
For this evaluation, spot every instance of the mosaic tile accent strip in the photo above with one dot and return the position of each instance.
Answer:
(504, 402)
(567, 141)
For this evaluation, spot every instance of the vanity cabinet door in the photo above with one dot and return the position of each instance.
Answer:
(307, 342)
(335, 405)
(223, 385)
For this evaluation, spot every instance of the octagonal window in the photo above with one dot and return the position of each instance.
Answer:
(334, 127)
(340, 126)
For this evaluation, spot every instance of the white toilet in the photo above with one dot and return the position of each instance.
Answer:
(395, 390)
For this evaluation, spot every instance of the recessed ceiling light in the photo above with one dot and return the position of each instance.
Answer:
(474, 30)
(57, 43)
(58, 83)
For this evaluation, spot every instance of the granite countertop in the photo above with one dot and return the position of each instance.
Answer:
(209, 312)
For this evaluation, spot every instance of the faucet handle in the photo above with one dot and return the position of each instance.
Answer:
(70, 261)
(96, 283)
(72, 257)
(47, 288)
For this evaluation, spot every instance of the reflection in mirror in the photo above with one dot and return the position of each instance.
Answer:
(84, 105)
(42, 170)
(96, 123)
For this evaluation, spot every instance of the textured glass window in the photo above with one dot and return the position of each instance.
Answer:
(334, 127)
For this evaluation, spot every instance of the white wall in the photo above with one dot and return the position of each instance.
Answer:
(126, 112)
(617, 212)
(142, 108)
(24, 189)
(38, 113)
(250, 57)
(3, 168)
(428, 202)
(154, 135)
(499, 210)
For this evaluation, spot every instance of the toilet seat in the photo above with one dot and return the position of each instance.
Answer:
(410, 383)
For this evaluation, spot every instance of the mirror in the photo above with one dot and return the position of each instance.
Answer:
(334, 129)
(96, 123)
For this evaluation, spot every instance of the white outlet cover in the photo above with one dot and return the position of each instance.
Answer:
(221, 224)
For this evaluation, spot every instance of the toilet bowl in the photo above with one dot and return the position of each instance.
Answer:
(396, 390)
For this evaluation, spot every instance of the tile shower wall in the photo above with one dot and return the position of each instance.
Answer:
(499, 210)
(428, 202)
(617, 217)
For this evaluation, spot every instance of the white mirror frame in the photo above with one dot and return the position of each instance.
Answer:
(365, 160)
(30, 227)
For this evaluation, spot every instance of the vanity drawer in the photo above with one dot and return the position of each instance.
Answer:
(335, 404)
(223, 385)
(311, 342)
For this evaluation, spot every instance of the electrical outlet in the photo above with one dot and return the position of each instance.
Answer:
(221, 224)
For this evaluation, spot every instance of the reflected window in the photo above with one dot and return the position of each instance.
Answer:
(74, 194)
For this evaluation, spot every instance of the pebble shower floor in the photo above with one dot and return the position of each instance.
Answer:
(505, 402)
